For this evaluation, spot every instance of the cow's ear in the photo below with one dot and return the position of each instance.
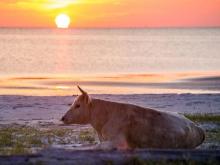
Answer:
(88, 99)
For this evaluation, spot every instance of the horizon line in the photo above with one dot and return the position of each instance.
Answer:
(72, 28)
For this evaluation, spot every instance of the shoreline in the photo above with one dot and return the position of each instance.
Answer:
(151, 83)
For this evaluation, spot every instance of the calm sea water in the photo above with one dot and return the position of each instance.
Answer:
(83, 53)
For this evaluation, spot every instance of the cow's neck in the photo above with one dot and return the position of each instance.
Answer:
(99, 114)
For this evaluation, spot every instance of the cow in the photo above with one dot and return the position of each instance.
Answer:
(128, 126)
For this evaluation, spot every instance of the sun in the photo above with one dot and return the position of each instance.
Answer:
(62, 21)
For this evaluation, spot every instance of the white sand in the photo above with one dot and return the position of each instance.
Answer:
(42, 109)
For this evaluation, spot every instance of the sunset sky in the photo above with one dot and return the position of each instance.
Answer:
(111, 13)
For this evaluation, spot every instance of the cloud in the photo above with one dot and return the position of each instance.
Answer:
(59, 1)
(53, 4)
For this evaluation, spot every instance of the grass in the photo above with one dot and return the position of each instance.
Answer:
(213, 136)
(212, 139)
(5, 138)
(17, 139)
(203, 117)
(87, 136)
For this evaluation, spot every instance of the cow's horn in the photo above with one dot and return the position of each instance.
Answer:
(82, 91)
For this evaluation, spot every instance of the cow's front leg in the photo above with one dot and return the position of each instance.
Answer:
(116, 140)
(101, 139)
(120, 142)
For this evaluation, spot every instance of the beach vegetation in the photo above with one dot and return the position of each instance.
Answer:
(211, 125)
(87, 136)
(203, 117)
(18, 139)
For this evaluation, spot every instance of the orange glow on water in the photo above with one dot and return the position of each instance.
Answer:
(112, 84)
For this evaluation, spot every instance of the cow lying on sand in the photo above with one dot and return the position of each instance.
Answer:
(126, 126)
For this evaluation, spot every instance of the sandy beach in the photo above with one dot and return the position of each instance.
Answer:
(29, 124)
(32, 109)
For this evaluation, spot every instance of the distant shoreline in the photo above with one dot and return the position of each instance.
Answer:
(157, 83)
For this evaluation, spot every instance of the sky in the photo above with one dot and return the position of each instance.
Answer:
(111, 13)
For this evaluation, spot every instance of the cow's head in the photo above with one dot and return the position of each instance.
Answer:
(79, 112)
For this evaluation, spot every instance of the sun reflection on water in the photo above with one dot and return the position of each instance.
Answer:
(111, 84)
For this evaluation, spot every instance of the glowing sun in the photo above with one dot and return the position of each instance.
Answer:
(62, 21)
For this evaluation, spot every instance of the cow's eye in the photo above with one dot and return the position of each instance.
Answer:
(77, 106)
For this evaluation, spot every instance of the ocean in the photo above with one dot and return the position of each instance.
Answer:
(111, 61)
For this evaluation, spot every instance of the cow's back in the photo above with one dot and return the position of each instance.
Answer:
(156, 129)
